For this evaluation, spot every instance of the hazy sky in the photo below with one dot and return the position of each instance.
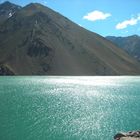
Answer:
(105, 17)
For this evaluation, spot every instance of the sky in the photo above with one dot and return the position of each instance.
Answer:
(105, 17)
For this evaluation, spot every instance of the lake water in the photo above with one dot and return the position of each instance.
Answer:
(68, 108)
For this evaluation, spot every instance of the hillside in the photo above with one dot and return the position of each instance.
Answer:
(131, 44)
(7, 9)
(36, 40)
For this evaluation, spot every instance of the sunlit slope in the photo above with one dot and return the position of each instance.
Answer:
(38, 40)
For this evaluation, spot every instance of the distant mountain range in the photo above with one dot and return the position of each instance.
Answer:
(131, 44)
(35, 40)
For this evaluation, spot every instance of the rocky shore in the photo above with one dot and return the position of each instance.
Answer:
(131, 135)
(5, 70)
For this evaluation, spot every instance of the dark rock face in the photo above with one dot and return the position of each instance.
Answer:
(130, 134)
(7, 10)
(37, 48)
(119, 135)
(4, 70)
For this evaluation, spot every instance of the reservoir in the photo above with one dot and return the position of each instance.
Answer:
(68, 107)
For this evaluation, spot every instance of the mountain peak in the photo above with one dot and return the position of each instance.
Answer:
(6, 3)
(35, 6)
(135, 35)
(7, 9)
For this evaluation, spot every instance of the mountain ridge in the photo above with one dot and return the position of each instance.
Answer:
(131, 44)
(7, 9)
(39, 41)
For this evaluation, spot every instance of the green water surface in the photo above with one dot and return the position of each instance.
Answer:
(68, 108)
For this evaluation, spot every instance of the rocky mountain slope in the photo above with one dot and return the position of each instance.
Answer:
(39, 41)
(131, 44)
(7, 9)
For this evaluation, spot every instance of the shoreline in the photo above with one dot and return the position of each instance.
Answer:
(130, 135)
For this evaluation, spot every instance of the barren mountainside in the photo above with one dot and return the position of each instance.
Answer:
(130, 44)
(36, 40)
(7, 9)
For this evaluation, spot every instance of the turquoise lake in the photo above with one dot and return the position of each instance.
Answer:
(68, 108)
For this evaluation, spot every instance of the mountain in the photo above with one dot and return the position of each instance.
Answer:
(39, 41)
(7, 9)
(131, 44)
